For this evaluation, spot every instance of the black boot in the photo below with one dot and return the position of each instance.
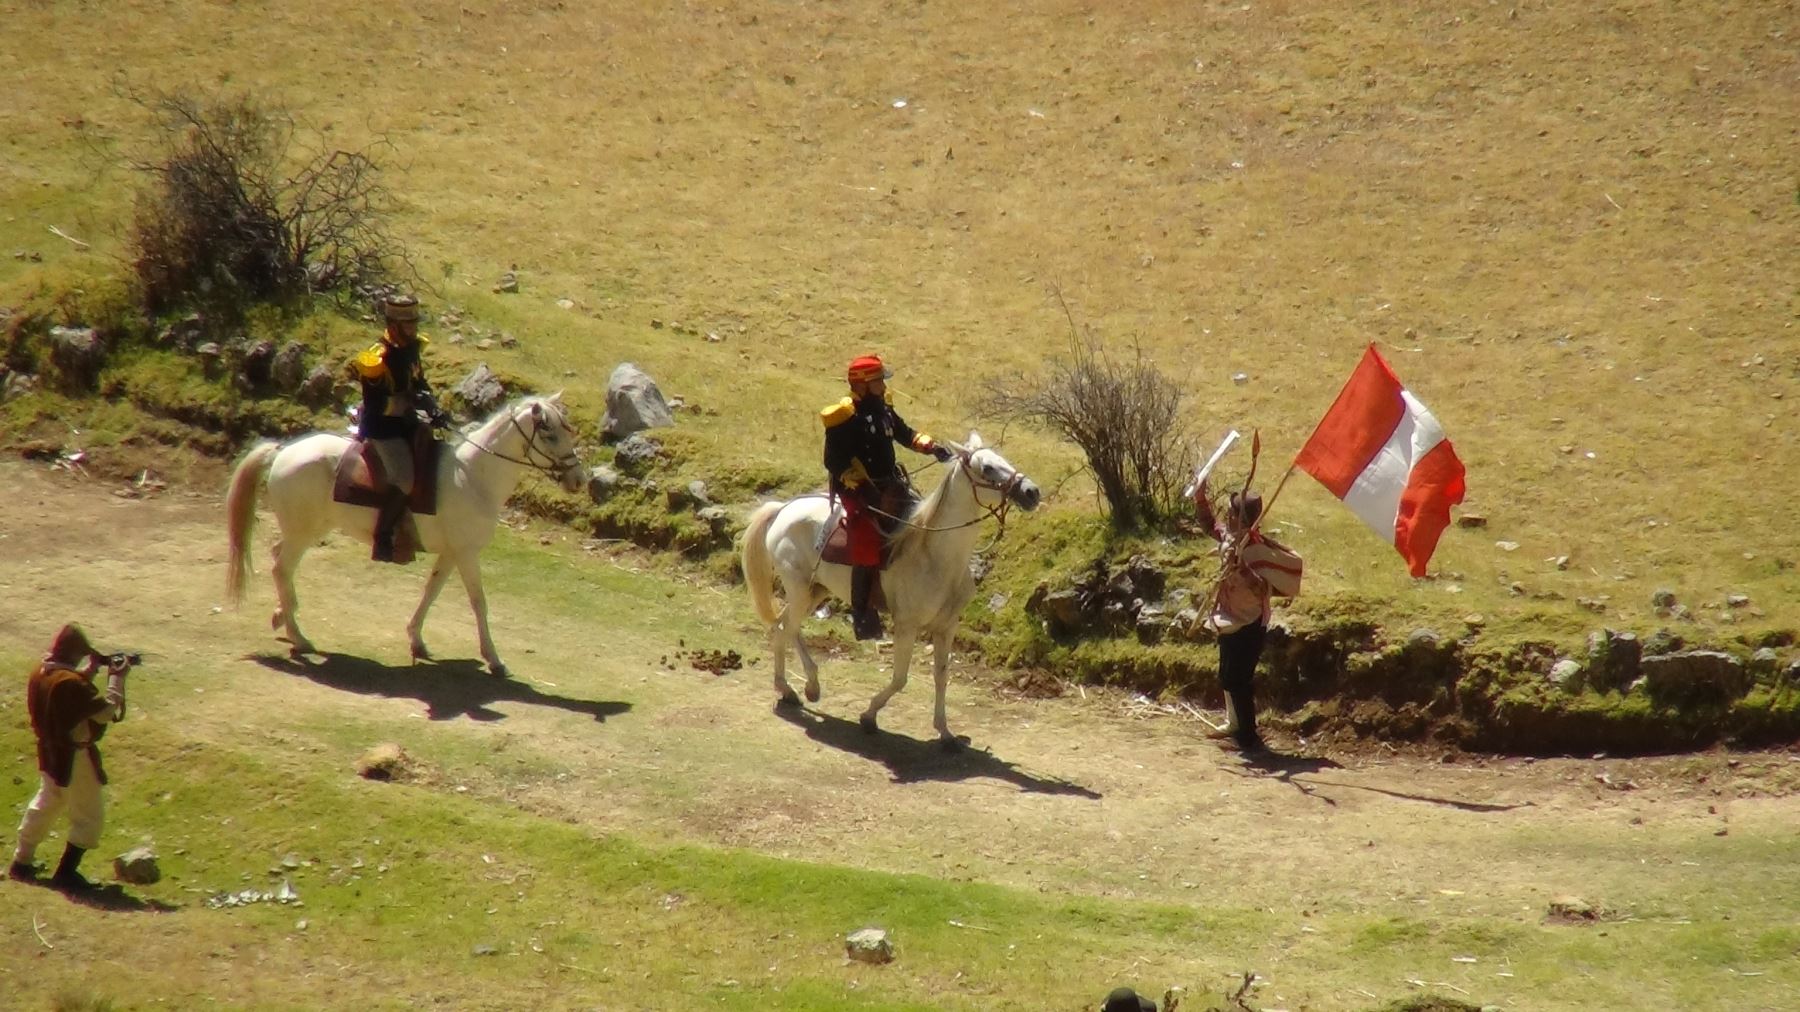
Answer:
(67, 877)
(386, 519)
(863, 616)
(22, 871)
(1243, 703)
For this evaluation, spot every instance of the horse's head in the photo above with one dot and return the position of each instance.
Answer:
(994, 479)
(550, 440)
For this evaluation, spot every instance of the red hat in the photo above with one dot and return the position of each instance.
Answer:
(867, 368)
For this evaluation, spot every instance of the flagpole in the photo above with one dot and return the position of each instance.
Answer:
(1279, 486)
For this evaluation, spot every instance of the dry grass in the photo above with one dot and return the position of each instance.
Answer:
(1567, 225)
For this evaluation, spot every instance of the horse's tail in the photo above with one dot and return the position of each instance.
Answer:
(759, 568)
(240, 510)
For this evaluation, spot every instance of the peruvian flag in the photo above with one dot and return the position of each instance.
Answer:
(1384, 454)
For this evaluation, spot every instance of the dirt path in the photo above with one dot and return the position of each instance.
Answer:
(603, 725)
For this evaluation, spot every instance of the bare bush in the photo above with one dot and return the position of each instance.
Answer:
(239, 213)
(1124, 415)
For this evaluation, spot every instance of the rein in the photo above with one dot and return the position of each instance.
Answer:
(997, 512)
(554, 470)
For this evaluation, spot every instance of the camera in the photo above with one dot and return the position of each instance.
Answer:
(124, 659)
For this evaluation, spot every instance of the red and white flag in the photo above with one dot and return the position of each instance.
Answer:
(1384, 454)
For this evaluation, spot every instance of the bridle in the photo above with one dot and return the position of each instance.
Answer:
(996, 511)
(552, 466)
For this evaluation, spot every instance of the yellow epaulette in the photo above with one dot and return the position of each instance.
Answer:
(837, 414)
(371, 364)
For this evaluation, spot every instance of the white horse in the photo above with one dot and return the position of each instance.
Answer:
(473, 483)
(927, 581)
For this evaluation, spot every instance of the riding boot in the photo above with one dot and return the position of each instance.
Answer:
(68, 878)
(386, 519)
(863, 616)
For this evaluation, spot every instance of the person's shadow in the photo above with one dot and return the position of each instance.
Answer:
(110, 897)
(449, 689)
(911, 760)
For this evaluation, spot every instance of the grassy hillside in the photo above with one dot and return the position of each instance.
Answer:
(1570, 227)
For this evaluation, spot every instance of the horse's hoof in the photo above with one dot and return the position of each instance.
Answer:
(953, 744)
(497, 669)
(812, 693)
(788, 700)
(868, 724)
(419, 653)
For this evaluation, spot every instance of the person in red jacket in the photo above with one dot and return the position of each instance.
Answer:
(1252, 567)
(69, 713)
(860, 433)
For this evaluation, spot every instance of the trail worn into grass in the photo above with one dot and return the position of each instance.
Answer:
(605, 726)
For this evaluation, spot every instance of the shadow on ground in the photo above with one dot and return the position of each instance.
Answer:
(910, 760)
(449, 689)
(1283, 768)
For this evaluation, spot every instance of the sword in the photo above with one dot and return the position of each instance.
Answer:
(1211, 462)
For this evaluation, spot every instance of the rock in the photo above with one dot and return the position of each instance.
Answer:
(1471, 520)
(258, 365)
(696, 491)
(1763, 663)
(1565, 674)
(1695, 677)
(1507, 546)
(211, 358)
(1425, 636)
(17, 384)
(507, 340)
(1737, 601)
(1597, 605)
(182, 333)
(481, 390)
(1791, 676)
(318, 388)
(603, 481)
(633, 403)
(1147, 581)
(289, 368)
(1571, 908)
(1062, 609)
(386, 761)
(137, 866)
(717, 517)
(77, 353)
(1662, 641)
(508, 283)
(1152, 625)
(1613, 659)
(637, 454)
(1663, 598)
(484, 344)
(1561, 561)
(870, 945)
(484, 949)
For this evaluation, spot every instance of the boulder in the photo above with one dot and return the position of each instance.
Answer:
(603, 481)
(182, 334)
(386, 761)
(1763, 664)
(1694, 677)
(870, 945)
(211, 358)
(633, 403)
(288, 370)
(1663, 598)
(137, 866)
(1147, 581)
(1062, 609)
(16, 384)
(1613, 659)
(78, 353)
(1565, 674)
(637, 454)
(1152, 625)
(481, 390)
(318, 388)
(258, 367)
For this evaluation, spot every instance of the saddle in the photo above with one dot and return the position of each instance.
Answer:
(361, 480)
(835, 545)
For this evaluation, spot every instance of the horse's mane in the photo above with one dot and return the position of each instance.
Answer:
(923, 516)
(508, 410)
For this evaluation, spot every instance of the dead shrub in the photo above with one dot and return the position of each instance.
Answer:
(238, 212)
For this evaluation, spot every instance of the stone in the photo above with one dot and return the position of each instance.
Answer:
(1694, 677)
(1663, 641)
(718, 518)
(637, 454)
(1737, 601)
(1147, 581)
(1471, 520)
(696, 491)
(183, 333)
(1791, 676)
(634, 403)
(289, 368)
(1763, 663)
(137, 866)
(17, 384)
(77, 353)
(603, 481)
(1152, 625)
(1565, 674)
(1663, 598)
(1507, 546)
(508, 284)
(386, 761)
(1571, 908)
(318, 388)
(258, 365)
(481, 390)
(869, 945)
(1613, 659)
(1062, 609)
(1424, 636)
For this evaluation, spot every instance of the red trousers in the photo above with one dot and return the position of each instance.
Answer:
(862, 525)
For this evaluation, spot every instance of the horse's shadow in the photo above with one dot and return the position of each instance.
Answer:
(449, 689)
(911, 760)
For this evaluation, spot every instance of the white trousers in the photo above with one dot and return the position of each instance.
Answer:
(82, 800)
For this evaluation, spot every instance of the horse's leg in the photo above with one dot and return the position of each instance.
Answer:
(778, 644)
(806, 658)
(903, 648)
(440, 571)
(285, 560)
(940, 676)
(469, 568)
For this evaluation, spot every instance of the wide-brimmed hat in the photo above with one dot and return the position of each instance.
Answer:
(401, 309)
(868, 367)
(1124, 999)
